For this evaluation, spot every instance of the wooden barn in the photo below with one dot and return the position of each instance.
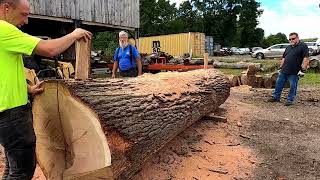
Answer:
(54, 18)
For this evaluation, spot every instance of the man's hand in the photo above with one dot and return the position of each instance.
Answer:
(81, 33)
(113, 76)
(36, 89)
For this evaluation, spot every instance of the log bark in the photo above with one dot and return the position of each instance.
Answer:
(249, 80)
(95, 128)
(252, 80)
(269, 80)
(258, 82)
(252, 70)
(239, 65)
(315, 63)
(234, 80)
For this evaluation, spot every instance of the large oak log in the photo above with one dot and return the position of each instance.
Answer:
(95, 128)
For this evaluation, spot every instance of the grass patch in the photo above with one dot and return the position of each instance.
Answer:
(231, 71)
(310, 79)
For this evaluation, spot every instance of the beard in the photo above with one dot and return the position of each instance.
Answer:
(123, 44)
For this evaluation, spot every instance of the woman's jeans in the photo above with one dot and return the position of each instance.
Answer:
(18, 139)
(281, 81)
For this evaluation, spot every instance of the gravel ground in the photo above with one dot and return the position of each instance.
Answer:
(260, 141)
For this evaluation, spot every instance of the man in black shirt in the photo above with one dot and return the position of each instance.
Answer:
(294, 63)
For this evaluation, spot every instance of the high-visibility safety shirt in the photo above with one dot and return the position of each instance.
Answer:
(13, 44)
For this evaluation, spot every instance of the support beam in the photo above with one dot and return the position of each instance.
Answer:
(206, 60)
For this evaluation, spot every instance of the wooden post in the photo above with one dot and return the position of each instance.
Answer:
(205, 60)
(83, 63)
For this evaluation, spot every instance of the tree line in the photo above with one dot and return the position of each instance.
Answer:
(232, 23)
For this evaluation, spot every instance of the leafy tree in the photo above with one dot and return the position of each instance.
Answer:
(274, 39)
(248, 21)
(230, 22)
(188, 18)
(157, 17)
(106, 41)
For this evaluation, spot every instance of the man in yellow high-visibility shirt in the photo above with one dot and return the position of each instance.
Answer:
(16, 129)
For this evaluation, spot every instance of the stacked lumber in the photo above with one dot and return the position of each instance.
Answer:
(107, 128)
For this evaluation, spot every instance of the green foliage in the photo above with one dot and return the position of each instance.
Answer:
(236, 72)
(309, 40)
(274, 39)
(106, 41)
(248, 22)
(310, 79)
(230, 22)
(158, 17)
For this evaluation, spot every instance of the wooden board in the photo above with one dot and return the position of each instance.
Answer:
(83, 63)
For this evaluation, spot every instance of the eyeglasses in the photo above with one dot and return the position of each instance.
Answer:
(291, 39)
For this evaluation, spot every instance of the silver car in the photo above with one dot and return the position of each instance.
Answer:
(275, 51)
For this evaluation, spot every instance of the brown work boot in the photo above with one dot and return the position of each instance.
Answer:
(273, 100)
(288, 103)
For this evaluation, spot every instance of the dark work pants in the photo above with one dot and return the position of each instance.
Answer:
(18, 139)
(129, 73)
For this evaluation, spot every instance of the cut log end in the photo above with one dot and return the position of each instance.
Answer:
(69, 135)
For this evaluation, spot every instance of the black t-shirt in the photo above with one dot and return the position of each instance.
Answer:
(293, 58)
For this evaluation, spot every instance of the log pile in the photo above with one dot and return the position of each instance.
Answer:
(96, 129)
(315, 63)
(237, 65)
(250, 78)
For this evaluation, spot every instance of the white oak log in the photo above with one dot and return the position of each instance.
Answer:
(100, 128)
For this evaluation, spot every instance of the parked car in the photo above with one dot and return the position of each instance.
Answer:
(274, 51)
(314, 48)
(255, 49)
(237, 51)
(245, 50)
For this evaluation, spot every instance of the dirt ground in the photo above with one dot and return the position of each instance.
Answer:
(260, 140)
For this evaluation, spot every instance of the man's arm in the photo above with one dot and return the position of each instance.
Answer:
(115, 68)
(139, 65)
(305, 63)
(281, 63)
(283, 57)
(138, 60)
(50, 48)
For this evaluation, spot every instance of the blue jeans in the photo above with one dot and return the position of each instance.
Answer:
(129, 73)
(281, 81)
(18, 139)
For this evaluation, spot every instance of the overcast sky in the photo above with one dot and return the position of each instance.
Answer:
(301, 16)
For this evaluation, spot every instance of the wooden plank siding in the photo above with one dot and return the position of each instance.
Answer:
(119, 13)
